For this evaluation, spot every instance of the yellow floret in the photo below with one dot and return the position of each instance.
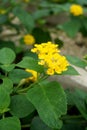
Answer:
(29, 39)
(76, 10)
(50, 71)
(34, 76)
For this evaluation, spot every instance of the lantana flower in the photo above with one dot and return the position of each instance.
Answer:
(49, 57)
(76, 10)
(29, 39)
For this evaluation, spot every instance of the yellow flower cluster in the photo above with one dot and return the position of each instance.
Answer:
(2, 11)
(48, 54)
(76, 10)
(34, 76)
(29, 39)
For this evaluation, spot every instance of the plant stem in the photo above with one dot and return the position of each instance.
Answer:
(67, 119)
(37, 82)
(6, 74)
(3, 115)
(71, 117)
(25, 89)
(25, 126)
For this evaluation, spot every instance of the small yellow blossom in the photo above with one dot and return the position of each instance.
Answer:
(76, 10)
(50, 71)
(2, 11)
(29, 39)
(48, 54)
(34, 76)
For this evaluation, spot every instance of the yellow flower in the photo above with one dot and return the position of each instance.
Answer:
(76, 10)
(2, 11)
(29, 39)
(34, 76)
(50, 71)
(48, 54)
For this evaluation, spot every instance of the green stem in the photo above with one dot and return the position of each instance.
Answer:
(76, 122)
(43, 78)
(3, 115)
(71, 117)
(6, 74)
(25, 126)
(25, 89)
(19, 85)
(67, 119)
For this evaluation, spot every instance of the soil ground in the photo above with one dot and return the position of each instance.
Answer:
(72, 46)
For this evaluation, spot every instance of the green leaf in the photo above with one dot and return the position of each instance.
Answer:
(37, 124)
(25, 18)
(81, 93)
(7, 56)
(4, 2)
(20, 106)
(10, 123)
(69, 97)
(50, 101)
(7, 85)
(59, 42)
(76, 61)
(17, 75)
(83, 28)
(83, 2)
(31, 54)
(8, 44)
(7, 67)
(42, 36)
(80, 102)
(70, 71)
(71, 27)
(30, 63)
(41, 13)
(3, 19)
(84, 21)
(59, 8)
(4, 100)
(73, 125)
